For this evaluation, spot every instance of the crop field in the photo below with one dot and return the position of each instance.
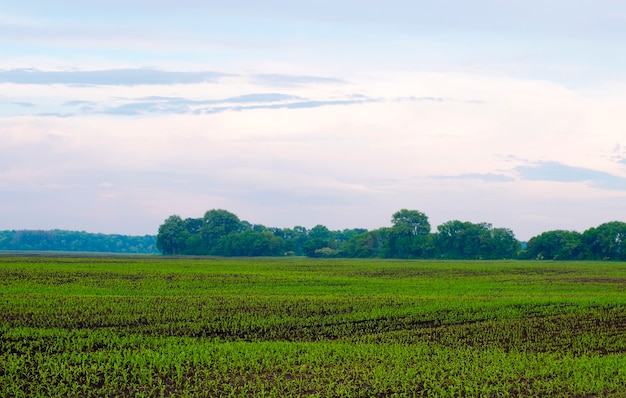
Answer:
(184, 327)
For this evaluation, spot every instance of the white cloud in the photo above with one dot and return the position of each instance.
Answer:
(343, 166)
(346, 116)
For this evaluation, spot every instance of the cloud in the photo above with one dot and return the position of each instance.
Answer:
(24, 104)
(147, 76)
(179, 105)
(139, 108)
(419, 99)
(55, 114)
(487, 177)
(343, 155)
(295, 105)
(289, 80)
(79, 103)
(558, 172)
(262, 97)
(111, 92)
(112, 77)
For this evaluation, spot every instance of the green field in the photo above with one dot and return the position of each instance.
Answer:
(157, 326)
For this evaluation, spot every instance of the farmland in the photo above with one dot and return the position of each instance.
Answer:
(158, 326)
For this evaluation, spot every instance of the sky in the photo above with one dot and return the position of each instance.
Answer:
(115, 115)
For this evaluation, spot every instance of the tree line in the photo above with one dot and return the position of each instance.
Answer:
(221, 233)
(74, 241)
(605, 242)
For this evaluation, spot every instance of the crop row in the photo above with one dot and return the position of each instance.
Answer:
(187, 367)
(310, 318)
(99, 327)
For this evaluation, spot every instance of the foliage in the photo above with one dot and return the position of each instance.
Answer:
(465, 240)
(366, 244)
(250, 243)
(556, 245)
(410, 223)
(313, 247)
(172, 236)
(606, 242)
(221, 233)
(164, 326)
(218, 224)
(75, 241)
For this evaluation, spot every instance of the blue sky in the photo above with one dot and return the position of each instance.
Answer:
(114, 116)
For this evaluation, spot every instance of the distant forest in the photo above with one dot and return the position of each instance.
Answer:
(222, 233)
(72, 241)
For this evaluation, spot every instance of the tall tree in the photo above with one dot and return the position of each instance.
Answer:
(407, 236)
(320, 232)
(366, 244)
(555, 245)
(410, 222)
(606, 242)
(217, 224)
(172, 236)
(465, 240)
(503, 244)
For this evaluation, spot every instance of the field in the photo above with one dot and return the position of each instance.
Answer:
(155, 326)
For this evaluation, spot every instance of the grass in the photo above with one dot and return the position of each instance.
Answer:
(155, 326)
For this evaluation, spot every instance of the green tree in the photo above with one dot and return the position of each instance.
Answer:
(606, 242)
(313, 247)
(348, 233)
(410, 223)
(465, 240)
(193, 244)
(503, 244)
(407, 236)
(172, 236)
(320, 232)
(250, 243)
(366, 244)
(295, 239)
(451, 239)
(61, 240)
(555, 245)
(194, 225)
(217, 224)
(259, 228)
